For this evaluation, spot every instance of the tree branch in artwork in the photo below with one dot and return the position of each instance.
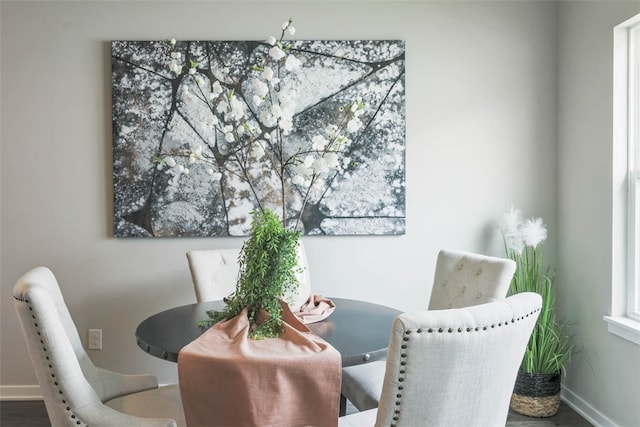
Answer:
(248, 137)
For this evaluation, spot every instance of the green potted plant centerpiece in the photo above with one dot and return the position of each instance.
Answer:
(268, 268)
(550, 348)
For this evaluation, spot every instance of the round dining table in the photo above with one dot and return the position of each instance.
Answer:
(359, 330)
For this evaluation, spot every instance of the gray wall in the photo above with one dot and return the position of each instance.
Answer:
(481, 83)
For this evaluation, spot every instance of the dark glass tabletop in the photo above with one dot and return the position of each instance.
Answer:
(359, 330)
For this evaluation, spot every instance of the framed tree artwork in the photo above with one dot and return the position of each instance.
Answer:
(205, 132)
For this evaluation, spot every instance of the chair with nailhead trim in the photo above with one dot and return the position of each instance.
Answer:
(214, 273)
(453, 367)
(461, 279)
(75, 391)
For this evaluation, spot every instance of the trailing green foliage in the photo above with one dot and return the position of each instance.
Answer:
(268, 268)
(550, 347)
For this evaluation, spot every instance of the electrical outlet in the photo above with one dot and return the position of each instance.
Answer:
(95, 339)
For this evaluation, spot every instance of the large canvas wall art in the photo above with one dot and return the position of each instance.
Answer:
(195, 126)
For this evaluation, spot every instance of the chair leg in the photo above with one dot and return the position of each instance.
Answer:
(343, 405)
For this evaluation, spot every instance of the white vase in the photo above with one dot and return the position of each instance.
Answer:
(300, 295)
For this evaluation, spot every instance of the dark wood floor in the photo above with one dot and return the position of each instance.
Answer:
(565, 417)
(23, 413)
(33, 414)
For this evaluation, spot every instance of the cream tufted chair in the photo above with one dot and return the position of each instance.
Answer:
(454, 367)
(461, 279)
(76, 392)
(215, 272)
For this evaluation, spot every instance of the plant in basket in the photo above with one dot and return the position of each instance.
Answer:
(550, 348)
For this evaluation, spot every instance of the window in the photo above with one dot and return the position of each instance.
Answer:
(625, 313)
(633, 154)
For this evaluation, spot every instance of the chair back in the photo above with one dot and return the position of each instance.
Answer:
(69, 381)
(214, 273)
(464, 279)
(456, 367)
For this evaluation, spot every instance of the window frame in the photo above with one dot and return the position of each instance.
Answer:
(633, 151)
(624, 320)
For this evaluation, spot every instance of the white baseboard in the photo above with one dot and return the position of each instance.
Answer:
(20, 392)
(588, 412)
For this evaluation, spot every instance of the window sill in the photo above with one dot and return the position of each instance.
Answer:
(624, 327)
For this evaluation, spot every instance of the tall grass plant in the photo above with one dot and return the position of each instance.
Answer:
(550, 347)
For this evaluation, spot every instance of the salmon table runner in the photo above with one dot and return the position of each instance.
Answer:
(228, 379)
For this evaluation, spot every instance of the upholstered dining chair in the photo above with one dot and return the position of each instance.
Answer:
(214, 273)
(453, 367)
(76, 392)
(461, 279)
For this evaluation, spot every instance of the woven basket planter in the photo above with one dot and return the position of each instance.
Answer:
(536, 395)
